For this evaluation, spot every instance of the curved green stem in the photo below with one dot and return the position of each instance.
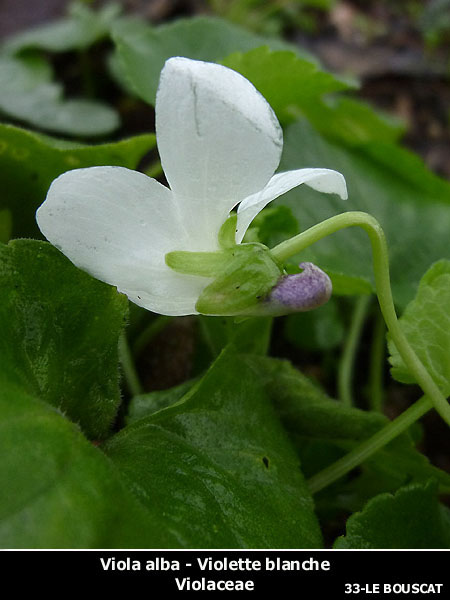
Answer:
(366, 449)
(377, 355)
(129, 370)
(383, 287)
(346, 367)
(151, 331)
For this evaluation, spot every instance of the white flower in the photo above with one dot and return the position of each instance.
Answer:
(219, 143)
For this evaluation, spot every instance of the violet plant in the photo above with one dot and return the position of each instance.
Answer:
(249, 441)
(176, 253)
(220, 143)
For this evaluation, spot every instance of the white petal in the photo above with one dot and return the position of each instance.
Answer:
(218, 139)
(322, 180)
(117, 225)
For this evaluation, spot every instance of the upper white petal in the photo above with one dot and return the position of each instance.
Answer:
(322, 180)
(218, 139)
(117, 225)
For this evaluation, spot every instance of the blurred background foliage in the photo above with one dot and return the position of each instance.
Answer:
(398, 51)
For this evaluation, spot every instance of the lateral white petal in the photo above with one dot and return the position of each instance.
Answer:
(117, 225)
(218, 139)
(322, 180)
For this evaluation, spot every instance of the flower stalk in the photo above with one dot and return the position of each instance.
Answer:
(383, 288)
(347, 364)
(128, 367)
(365, 450)
(376, 369)
(433, 396)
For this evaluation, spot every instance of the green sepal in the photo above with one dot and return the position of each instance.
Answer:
(227, 233)
(247, 278)
(204, 264)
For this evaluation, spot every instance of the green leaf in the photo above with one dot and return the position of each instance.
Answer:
(60, 330)
(29, 162)
(426, 324)
(320, 329)
(248, 335)
(412, 518)
(5, 225)
(79, 30)
(350, 121)
(306, 410)
(219, 467)
(346, 285)
(287, 81)
(143, 51)
(28, 94)
(58, 490)
(323, 430)
(272, 226)
(295, 86)
(147, 404)
(412, 205)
